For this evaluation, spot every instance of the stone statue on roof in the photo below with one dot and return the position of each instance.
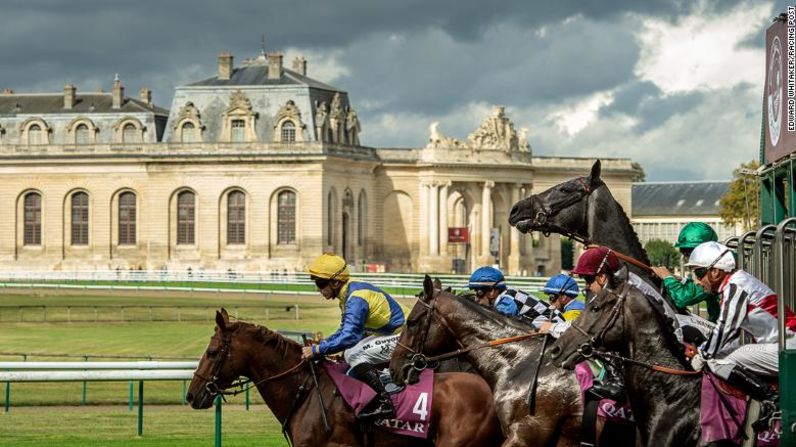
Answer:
(321, 121)
(352, 127)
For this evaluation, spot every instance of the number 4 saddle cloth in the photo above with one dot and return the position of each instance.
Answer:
(412, 404)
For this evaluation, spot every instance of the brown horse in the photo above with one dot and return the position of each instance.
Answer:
(441, 323)
(463, 413)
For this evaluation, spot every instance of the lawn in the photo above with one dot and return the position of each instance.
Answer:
(44, 414)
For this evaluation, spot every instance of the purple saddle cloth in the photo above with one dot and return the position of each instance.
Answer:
(718, 416)
(412, 404)
(608, 409)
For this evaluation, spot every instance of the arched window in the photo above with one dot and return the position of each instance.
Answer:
(186, 217)
(288, 132)
(32, 231)
(80, 218)
(236, 218)
(35, 135)
(188, 133)
(129, 133)
(238, 134)
(127, 218)
(286, 218)
(81, 134)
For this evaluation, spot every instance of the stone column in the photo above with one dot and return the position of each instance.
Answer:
(433, 227)
(424, 222)
(443, 218)
(514, 245)
(486, 217)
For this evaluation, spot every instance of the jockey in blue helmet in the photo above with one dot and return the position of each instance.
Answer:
(489, 283)
(562, 290)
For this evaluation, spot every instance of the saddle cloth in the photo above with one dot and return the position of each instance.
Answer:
(608, 409)
(718, 414)
(412, 404)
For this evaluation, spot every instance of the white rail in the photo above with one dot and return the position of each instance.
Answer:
(93, 376)
(149, 365)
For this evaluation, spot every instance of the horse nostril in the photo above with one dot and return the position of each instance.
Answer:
(189, 397)
(555, 351)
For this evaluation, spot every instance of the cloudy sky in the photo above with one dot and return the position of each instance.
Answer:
(675, 85)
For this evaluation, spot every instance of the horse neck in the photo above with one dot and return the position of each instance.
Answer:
(613, 229)
(470, 329)
(650, 391)
(264, 362)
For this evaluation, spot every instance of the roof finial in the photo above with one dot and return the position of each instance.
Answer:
(116, 77)
(262, 44)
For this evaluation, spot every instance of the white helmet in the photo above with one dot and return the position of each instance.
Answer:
(712, 254)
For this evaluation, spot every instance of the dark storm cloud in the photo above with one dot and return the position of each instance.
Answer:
(645, 102)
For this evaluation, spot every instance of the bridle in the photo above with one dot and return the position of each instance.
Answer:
(225, 353)
(546, 213)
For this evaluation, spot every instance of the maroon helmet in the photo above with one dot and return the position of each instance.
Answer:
(596, 260)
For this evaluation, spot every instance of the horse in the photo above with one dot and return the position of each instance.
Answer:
(584, 210)
(665, 403)
(440, 322)
(462, 412)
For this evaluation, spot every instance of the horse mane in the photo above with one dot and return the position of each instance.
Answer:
(666, 324)
(490, 314)
(634, 240)
(265, 336)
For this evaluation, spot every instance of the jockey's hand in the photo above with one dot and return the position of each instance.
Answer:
(661, 272)
(306, 353)
(545, 327)
(697, 362)
(690, 351)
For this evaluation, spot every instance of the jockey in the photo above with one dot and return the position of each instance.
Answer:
(686, 292)
(562, 291)
(749, 306)
(368, 333)
(489, 285)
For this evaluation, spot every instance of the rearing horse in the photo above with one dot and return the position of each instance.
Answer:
(274, 365)
(582, 209)
(439, 320)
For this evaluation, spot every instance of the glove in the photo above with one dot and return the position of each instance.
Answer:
(697, 362)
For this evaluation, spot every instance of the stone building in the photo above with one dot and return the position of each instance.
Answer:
(260, 168)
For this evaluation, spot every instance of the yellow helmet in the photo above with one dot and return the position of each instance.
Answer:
(329, 266)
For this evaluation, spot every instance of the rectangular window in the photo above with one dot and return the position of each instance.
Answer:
(238, 131)
(127, 215)
(286, 218)
(80, 218)
(185, 218)
(236, 218)
(32, 232)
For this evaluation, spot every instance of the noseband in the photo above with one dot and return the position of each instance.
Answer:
(546, 213)
(589, 348)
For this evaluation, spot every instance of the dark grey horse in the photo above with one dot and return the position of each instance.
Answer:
(665, 406)
(441, 323)
(584, 209)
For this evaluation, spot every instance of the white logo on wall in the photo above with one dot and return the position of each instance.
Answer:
(774, 91)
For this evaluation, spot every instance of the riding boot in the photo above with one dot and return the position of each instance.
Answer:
(757, 389)
(611, 386)
(381, 407)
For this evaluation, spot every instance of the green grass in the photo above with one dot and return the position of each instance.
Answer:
(44, 414)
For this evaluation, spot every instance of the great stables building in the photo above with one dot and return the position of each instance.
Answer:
(260, 168)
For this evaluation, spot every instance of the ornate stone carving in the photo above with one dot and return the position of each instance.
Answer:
(352, 127)
(290, 111)
(238, 100)
(437, 139)
(321, 121)
(188, 112)
(523, 145)
(496, 132)
(336, 117)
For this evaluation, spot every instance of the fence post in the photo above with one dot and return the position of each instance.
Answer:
(8, 396)
(218, 421)
(140, 407)
(247, 398)
(83, 399)
(267, 314)
(297, 311)
(68, 314)
(130, 399)
(183, 393)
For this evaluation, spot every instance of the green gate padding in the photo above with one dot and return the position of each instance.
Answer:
(787, 383)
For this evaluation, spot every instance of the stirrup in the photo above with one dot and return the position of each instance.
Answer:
(381, 410)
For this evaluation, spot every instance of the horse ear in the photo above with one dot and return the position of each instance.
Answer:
(428, 288)
(222, 319)
(596, 169)
(437, 284)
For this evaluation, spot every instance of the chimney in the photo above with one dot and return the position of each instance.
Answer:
(118, 93)
(8, 91)
(300, 66)
(224, 66)
(69, 96)
(146, 95)
(274, 65)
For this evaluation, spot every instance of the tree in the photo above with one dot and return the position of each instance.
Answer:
(662, 253)
(741, 203)
(567, 254)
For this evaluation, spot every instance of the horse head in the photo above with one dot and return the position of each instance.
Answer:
(561, 209)
(424, 335)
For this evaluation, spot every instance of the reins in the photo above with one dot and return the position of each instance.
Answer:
(461, 351)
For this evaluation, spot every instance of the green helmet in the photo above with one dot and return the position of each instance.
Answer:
(695, 233)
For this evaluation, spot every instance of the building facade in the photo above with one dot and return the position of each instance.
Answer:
(260, 168)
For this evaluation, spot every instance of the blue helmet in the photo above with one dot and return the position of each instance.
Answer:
(561, 283)
(487, 277)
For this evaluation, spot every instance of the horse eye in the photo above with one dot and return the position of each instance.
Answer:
(212, 352)
(595, 308)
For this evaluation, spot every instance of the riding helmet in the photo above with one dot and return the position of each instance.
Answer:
(695, 233)
(329, 266)
(487, 278)
(712, 254)
(596, 260)
(561, 284)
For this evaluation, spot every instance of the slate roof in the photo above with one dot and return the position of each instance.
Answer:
(677, 198)
(41, 104)
(258, 75)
